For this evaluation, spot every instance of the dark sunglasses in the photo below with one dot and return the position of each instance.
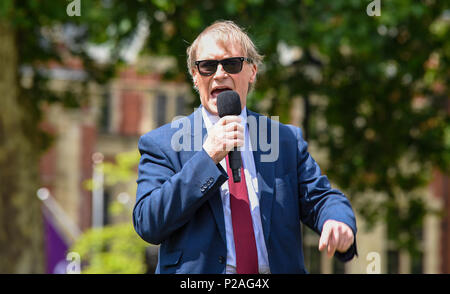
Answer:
(231, 65)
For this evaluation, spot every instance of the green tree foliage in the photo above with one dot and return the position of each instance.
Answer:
(115, 248)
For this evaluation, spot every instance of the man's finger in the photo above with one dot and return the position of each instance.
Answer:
(338, 238)
(234, 126)
(332, 242)
(348, 241)
(344, 244)
(324, 237)
(229, 119)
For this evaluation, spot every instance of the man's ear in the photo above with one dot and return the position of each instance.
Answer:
(254, 72)
(194, 78)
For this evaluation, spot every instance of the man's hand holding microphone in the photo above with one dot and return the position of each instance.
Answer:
(223, 137)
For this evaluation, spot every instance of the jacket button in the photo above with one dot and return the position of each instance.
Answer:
(221, 259)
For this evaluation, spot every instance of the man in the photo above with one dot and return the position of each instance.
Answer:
(188, 202)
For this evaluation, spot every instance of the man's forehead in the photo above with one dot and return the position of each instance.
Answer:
(211, 47)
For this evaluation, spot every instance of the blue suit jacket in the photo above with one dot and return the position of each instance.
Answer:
(178, 202)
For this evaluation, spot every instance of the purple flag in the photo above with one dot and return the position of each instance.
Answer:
(55, 246)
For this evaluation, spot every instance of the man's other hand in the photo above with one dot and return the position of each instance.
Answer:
(335, 236)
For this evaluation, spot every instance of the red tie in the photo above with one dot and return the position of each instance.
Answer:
(244, 237)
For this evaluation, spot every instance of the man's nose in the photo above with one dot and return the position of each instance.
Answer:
(220, 72)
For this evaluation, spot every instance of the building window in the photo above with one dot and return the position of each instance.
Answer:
(151, 259)
(105, 110)
(160, 109)
(338, 266)
(312, 255)
(417, 263)
(417, 258)
(106, 204)
(393, 262)
(393, 252)
(181, 105)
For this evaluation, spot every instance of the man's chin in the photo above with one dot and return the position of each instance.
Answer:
(211, 106)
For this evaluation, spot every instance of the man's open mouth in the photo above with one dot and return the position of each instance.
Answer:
(217, 91)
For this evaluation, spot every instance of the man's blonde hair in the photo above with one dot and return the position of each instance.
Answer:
(225, 31)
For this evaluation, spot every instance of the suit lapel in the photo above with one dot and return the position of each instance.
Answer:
(265, 171)
(215, 201)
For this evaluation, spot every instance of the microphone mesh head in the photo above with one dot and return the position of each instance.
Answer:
(228, 103)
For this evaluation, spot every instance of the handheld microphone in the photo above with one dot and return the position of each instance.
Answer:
(229, 103)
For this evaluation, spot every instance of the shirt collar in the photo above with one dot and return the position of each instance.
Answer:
(211, 119)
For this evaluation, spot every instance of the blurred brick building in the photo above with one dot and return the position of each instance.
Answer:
(116, 116)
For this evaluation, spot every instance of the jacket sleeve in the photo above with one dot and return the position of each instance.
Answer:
(319, 201)
(167, 199)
